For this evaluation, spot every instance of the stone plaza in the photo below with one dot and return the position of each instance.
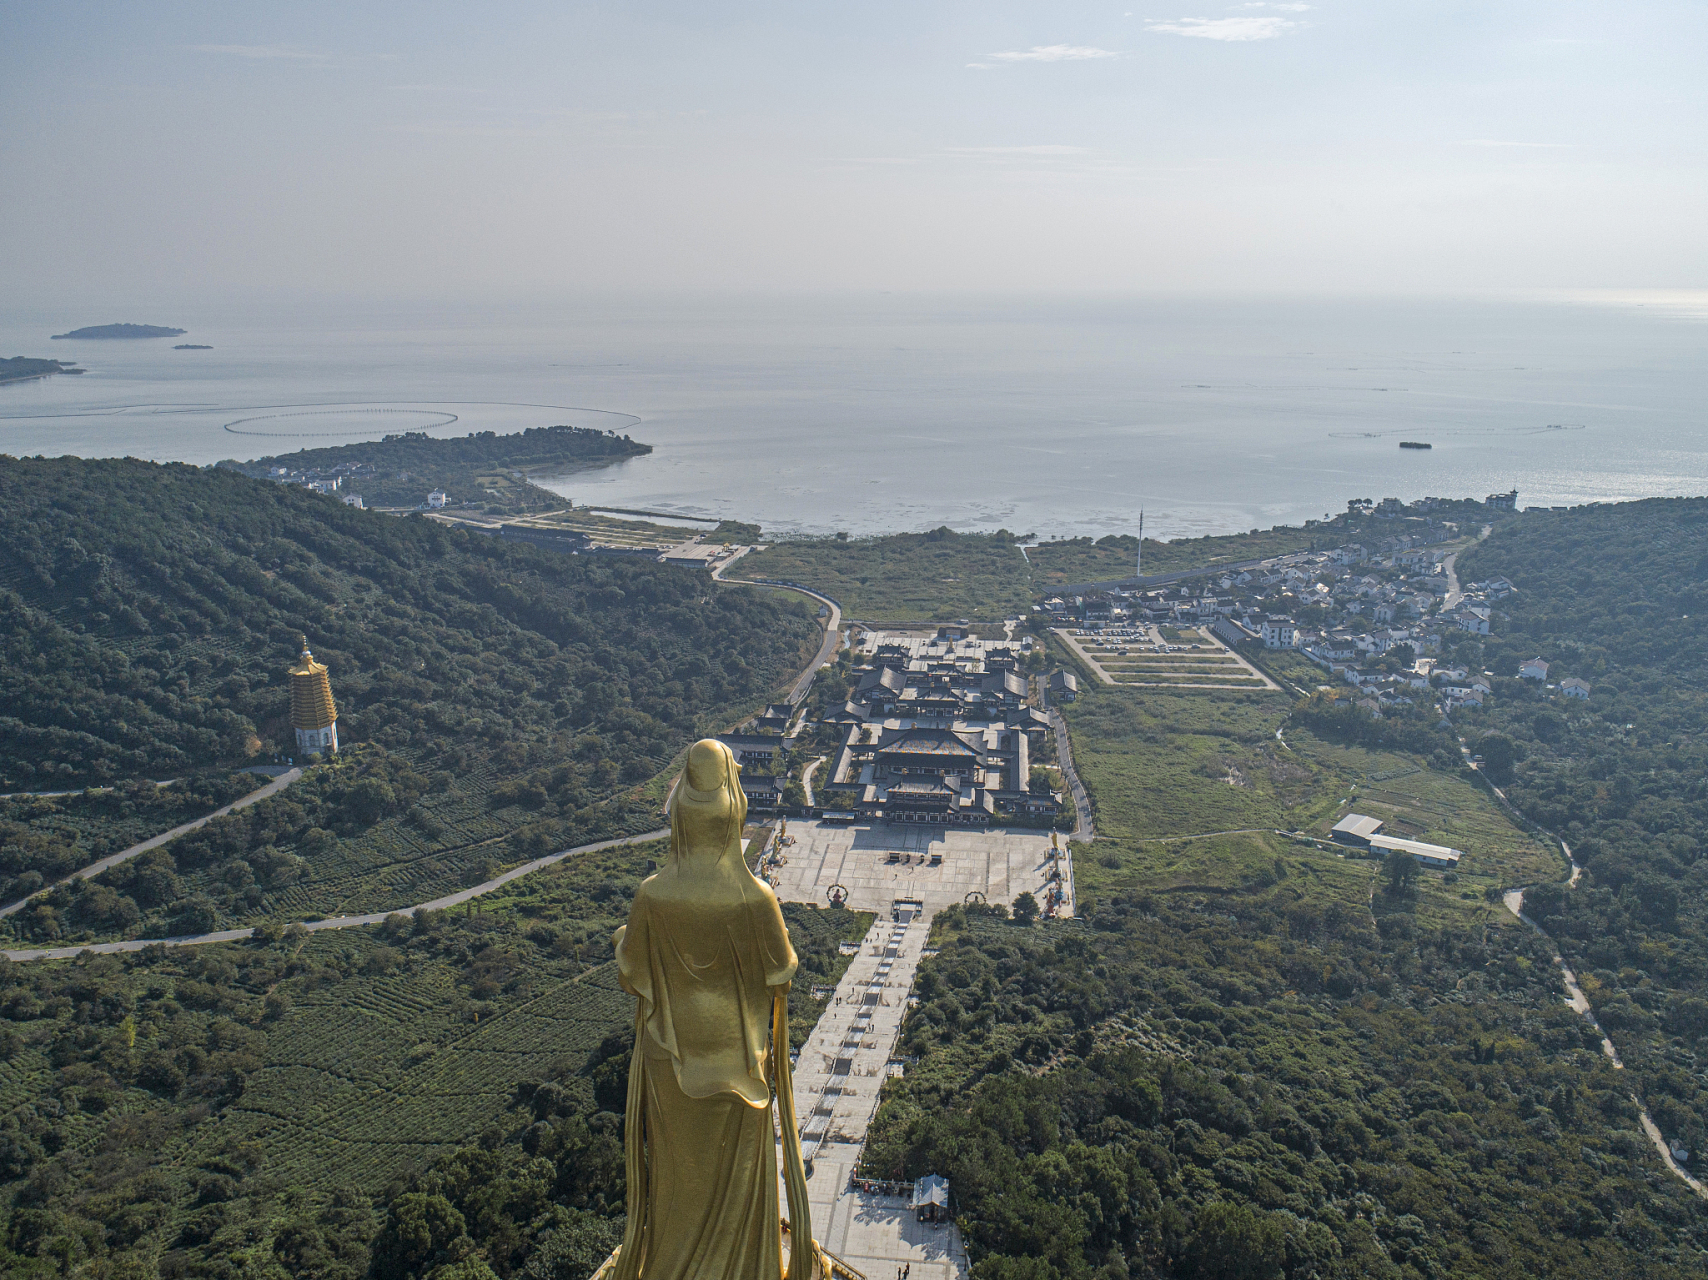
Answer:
(880, 865)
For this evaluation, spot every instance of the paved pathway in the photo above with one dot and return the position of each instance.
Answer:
(1082, 822)
(112, 860)
(806, 778)
(838, 1075)
(338, 922)
(907, 874)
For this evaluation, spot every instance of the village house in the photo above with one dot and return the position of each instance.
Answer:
(1573, 687)
(1535, 669)
(1472, 619)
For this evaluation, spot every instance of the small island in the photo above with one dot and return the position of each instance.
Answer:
(122, 331)
(192, 346)
(1415, 444)
(23, 368)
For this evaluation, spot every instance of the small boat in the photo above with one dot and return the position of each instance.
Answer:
(1415, 444)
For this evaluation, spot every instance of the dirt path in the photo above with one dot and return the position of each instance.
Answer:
(1513, 899)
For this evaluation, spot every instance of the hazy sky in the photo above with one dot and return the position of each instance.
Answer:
(158, 150)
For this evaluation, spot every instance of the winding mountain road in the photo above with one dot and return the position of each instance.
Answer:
(339, 922)
(832, 622)
(94, 869)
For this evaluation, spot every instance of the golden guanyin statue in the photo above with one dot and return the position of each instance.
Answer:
(708, 959)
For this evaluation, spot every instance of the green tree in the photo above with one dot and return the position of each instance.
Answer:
(1400, 868)
(1234, 1242)
(419, 1230)
(1499, 754)
(1025, 909)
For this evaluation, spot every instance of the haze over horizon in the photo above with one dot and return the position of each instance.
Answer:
(202, 150)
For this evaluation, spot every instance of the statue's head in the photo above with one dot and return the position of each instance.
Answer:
(708, 765)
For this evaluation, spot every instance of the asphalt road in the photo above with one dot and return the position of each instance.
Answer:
(1454, 595)
(337, 922)
(112, 860)
(832, 624)
(832, 634)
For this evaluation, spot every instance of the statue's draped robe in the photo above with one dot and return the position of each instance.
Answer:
(703, 950)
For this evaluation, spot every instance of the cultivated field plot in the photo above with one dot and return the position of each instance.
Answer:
(1141, 657)
(350, 1094)
(610, 531)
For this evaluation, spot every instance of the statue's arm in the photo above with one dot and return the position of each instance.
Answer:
(780, 959)
(634, 965)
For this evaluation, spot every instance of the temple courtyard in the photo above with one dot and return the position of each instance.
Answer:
(879, 865)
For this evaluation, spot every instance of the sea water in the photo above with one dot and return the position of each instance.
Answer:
(1054, 416)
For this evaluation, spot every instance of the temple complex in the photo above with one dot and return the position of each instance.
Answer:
(313, 713)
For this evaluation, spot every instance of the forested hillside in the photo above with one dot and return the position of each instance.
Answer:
(499, 700)
(440, 1090)
(1618, 596)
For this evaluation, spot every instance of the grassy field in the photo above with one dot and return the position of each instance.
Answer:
(1114, 556)
(929, 577)
(1166, 771)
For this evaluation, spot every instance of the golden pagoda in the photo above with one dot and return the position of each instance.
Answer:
(313, 713)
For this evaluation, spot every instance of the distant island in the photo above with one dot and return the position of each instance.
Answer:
(122, 331)
(192, 346)
(1415, 444)
(23, 368)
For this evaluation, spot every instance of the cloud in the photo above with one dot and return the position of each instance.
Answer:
(1045, 149)
(1279, 8)
(290, 53)
(262, 51)
(1054, 53)
(1497, 142)
(1254, 28)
